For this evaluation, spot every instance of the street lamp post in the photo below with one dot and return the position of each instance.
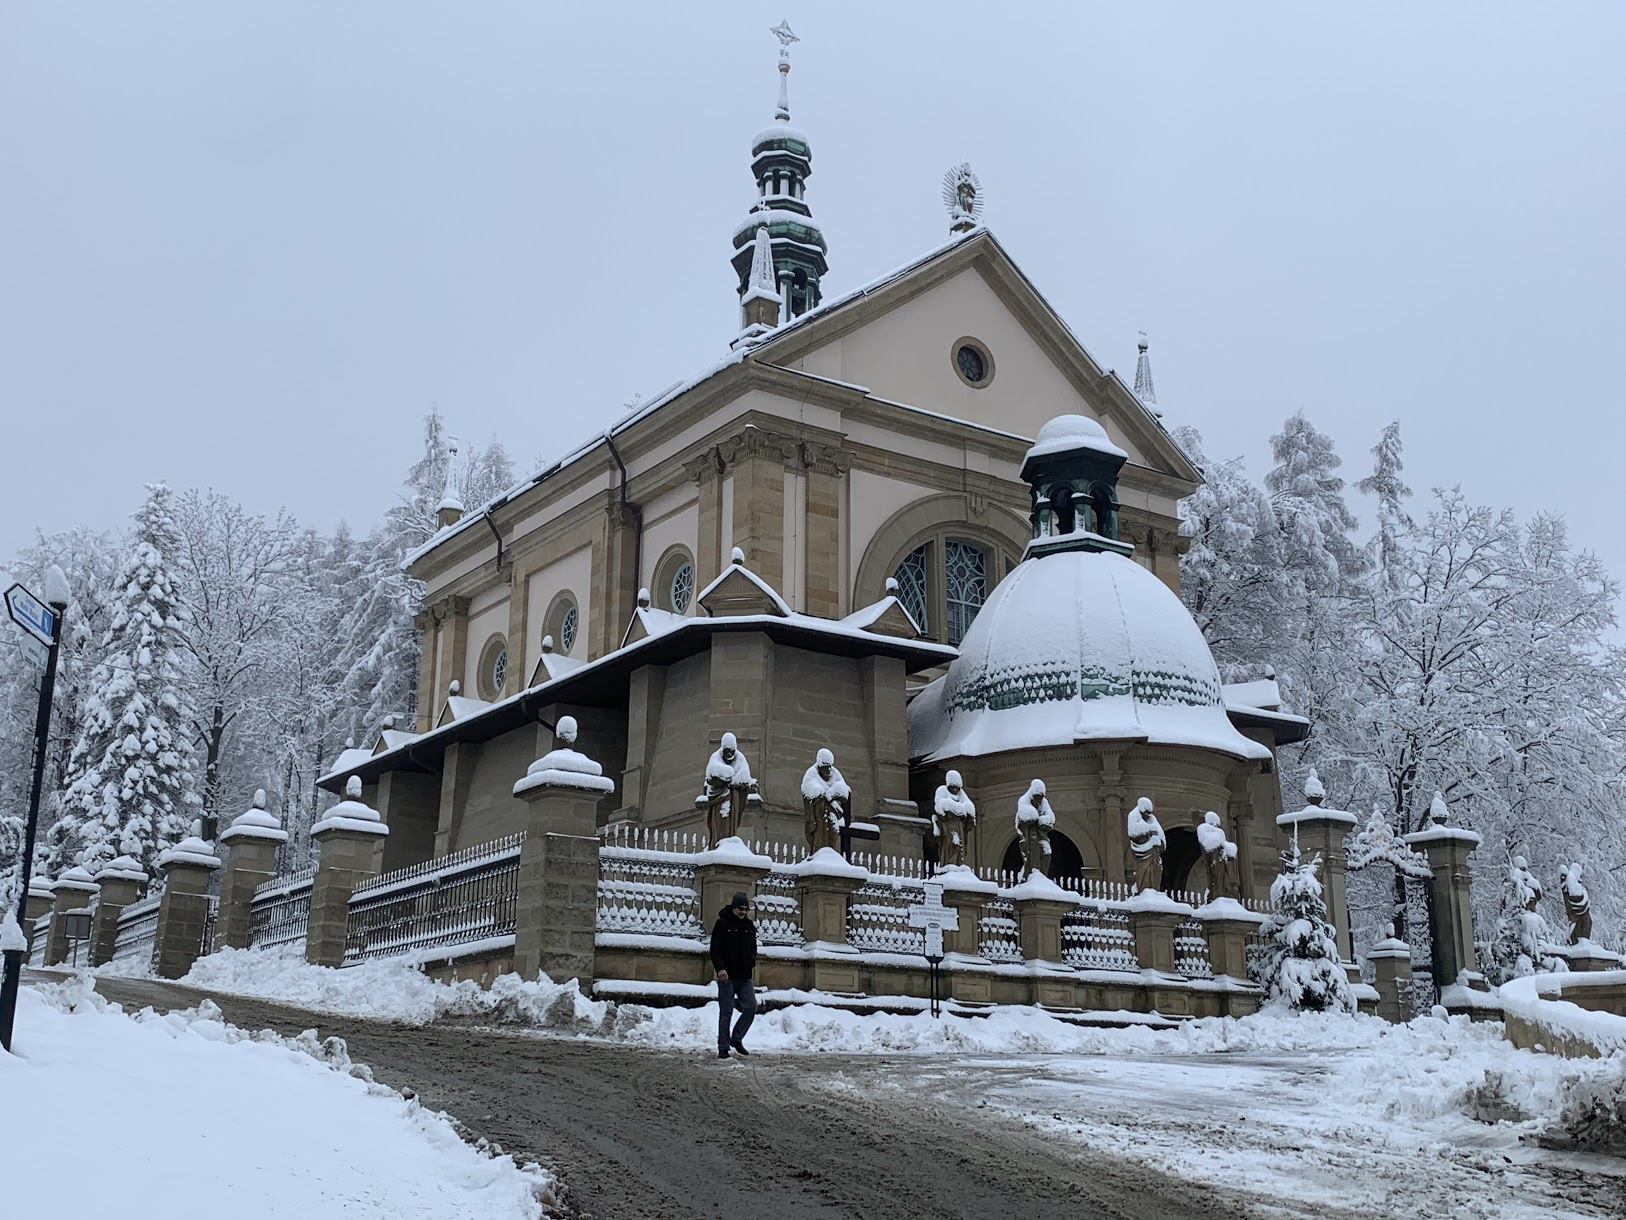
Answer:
(26, 610)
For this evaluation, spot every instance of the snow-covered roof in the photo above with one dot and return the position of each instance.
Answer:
(461, 707)
(1077, 646)
(348, 758)
(1065, 433)
(1262, 693)
(393, 739)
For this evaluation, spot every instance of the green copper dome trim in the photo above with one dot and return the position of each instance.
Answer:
(1055, 683)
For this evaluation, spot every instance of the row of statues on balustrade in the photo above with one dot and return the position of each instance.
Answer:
(730, 789)
(1528, 894)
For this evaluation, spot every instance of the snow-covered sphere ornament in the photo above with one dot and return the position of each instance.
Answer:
(566, 731)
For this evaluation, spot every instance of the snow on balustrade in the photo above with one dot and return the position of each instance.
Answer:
(137, 931)
(878, 915)
(1191, 947)
(778, 910)
(892, 866)
(280, 910)
(1097, 937)
(998, 937)
(647, 890)
(468, 897)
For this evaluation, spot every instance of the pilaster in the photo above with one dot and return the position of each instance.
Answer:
(456, 775)
(409, 804)
(646, 689)
(706, 473)
(825, 467)
(757, 460)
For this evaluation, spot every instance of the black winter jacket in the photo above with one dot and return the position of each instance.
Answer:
(734, 945)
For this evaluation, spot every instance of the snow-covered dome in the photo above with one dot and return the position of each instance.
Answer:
(1068, 432)
(1077, 645)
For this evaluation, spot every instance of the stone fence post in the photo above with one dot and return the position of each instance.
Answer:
(251, 844)
(825, 883)
(71, 892)
(347, 839)
(1153, 917)
(183, 912)
(1391, 959)
(555, 931)
(1040, 906)
(1447, 848)
(39, 900)
(1321, 831)
(1227, 924)
(123, 881)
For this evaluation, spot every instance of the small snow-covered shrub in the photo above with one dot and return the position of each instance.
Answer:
(1300, 966)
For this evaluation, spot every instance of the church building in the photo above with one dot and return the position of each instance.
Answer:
(917, 524)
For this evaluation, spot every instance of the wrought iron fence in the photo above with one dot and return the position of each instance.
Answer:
(1098, 938)
(779, 910)
(645, 891)
(908, 867)
(280, 910)
(136, 938)
(998, 937)
(1191, 951)
(878, 916)
(468, 896)
(1258, 945)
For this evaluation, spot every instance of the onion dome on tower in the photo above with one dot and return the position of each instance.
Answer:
(1079, 643)
(782, 161)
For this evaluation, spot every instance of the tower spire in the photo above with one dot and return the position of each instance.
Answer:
(781, 162)
(1143, 378)
(450, 509)
(761, 307)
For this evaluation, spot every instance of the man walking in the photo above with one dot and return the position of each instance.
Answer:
(734, 957)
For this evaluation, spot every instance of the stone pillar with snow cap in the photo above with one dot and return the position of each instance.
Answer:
(824, 885)
(1321, 831)
(122, 882)
(1391, 962)
(71, 893)
(1447, 848)
(183, 912)
(1153, 917)
(1227, 924)
(962, 945)
(1040, 906)
(39, 900)
(554, 934)
(251, 844)
(347, 840)
(721, 872)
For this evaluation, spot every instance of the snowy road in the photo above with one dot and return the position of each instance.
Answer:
(635, 1132)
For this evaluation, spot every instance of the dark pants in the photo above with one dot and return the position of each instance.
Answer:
(732, 994)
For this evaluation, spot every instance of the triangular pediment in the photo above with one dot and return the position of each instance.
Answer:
(885, 617)
(899, 339)
(740, 591)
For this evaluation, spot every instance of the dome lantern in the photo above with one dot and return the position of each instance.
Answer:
(1072, 477)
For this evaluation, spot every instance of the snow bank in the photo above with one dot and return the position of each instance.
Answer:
(372, 1153)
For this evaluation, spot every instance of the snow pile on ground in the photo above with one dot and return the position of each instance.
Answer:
(395, 990)
(281, 1127)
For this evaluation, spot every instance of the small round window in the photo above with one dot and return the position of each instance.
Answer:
(493, 670)
(682, 587)
(973, 363)
(567, 629)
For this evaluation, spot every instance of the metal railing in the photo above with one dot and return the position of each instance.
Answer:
(644, 891)
(1191, 951)
(878, 916)
(998, 937)
(469, 896)
(136, 938)
(779, 910)
(280, 911)
(1098, 938)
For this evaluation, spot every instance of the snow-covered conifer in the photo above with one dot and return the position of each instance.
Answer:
(1300, 966)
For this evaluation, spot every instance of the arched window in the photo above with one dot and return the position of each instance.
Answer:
(944, 581)
(674, 588)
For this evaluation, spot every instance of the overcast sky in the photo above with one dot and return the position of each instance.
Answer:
(249, 245)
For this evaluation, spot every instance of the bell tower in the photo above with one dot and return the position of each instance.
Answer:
(781, 162)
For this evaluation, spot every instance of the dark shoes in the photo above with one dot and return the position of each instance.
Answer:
(740, 1048)
(723, 1054)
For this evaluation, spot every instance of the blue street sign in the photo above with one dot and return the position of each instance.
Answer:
(31, 614)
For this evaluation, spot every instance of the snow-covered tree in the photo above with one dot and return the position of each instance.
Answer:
(129, 778)
(1522, 942)
(1385, 550)
(1300, 966)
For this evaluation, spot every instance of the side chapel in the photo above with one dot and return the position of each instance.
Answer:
(917, 525)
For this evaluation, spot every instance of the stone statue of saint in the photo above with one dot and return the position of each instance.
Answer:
(825, 801)
(1147, 841)
(1034, 820)
(1526, 889)
(1219, 856)
(1577, 905)
(953, 816)
(729, 786)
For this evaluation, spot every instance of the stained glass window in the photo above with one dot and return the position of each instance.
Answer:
(499, 670)
(972, 366)
(965, 582)
(682, 587)
(567, 629)
(911, 578)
